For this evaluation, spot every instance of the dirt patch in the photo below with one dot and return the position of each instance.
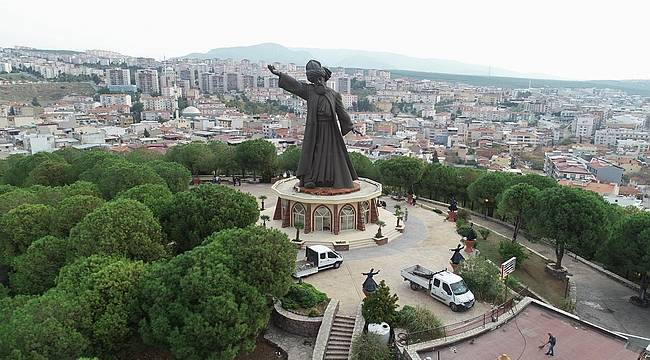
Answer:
(315, 311)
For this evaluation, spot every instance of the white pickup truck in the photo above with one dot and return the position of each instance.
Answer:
(442, 285)
(317, 258)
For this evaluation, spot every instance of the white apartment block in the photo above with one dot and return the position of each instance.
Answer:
(159, 103)
(147, 81)
(115, 99)
(5, 67)
(583, 127)
(610, 136)
(118, 77)
(348, 100)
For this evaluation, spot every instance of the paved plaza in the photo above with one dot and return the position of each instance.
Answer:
(426, 241)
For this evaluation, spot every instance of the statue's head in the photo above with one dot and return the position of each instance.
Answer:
(317, 74)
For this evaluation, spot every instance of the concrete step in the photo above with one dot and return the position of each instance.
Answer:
(334, 354)
(336, 357)
(341, 334)
(344, 342)
(342, 325)
(344, 318)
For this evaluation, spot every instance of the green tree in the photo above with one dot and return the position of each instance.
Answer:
(69, 154)
(176, 176)
(483, 278)
(224, 157)
(572, 218)
(515, 201)
(274, 255)
(195, 307)
(288, 160)
(193, 215)
(143, 155)
(106, 292)
(257, 155)
(72, 210)
(538, 181)
(196, 157)
(36, 269)
(121, 227)
(113, 176)
(14, 198)
(89, 159)
(81, 188)
(487, 188)
(50, 173)
(628, 249)
(364, 167)
(369, 346)
(20, 166)
(155, 196)
(43, 328)
(47, 195)
(380, 306)
(401, 172)
(22, 225)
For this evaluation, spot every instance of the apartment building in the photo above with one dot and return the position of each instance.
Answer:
(118, 77)
(147, 81)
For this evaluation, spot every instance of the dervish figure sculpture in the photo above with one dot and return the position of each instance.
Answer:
(452, 203)
(324, 160)
(369, 285)
(456, 257)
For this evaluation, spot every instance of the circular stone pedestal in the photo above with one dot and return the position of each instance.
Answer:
(328, 210)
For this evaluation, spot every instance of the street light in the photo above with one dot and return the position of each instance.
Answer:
(486, 208)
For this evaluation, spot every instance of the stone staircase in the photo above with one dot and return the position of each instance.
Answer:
(340, 339)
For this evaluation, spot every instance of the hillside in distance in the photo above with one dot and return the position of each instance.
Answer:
(634, 87)
(351, 59)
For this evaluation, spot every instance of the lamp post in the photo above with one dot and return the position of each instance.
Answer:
(486, 208)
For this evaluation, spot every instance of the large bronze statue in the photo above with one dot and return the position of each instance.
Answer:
(324, 160)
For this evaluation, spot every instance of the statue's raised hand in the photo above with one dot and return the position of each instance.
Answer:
(273, 70)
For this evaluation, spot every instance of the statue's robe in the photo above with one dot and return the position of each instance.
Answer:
(324, 158)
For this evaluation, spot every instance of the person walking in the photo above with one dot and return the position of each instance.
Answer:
(551, 345)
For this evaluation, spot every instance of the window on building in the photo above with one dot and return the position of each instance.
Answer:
(323, 219)
(365, 212)
(347, 217)
(298, 215)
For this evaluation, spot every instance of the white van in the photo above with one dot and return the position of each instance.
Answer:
(443, 285)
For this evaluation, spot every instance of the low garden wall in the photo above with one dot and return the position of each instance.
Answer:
(294, 323)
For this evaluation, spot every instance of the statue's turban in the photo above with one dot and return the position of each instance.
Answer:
(315, 70)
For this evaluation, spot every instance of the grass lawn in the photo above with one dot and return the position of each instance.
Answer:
(532, 274)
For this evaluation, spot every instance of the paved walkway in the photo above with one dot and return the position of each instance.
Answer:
(426, 241)
(601, 300)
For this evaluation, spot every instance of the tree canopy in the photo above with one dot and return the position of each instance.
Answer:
(72, 210)
(113, 176)
(121, 227)
(270, 274)
(257, 155)
(155, 196)
(195, 214)
(289, 159)
(364, 167)
(36, 269)
(23, 225)
(401, 171)
(515, 201)
(194, 306)
(176, 176)
(196, 157)
(572, 218)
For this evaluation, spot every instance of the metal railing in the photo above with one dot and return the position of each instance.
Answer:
(442, 332)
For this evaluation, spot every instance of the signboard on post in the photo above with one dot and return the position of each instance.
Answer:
(508, 267)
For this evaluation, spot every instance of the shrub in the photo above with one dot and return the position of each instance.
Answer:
(482, 278)
(463, 214)
(303, 296)
(509, 249)
(380, 306)
(421, 323)
(368, 346)
(485, 233)
(463, 230)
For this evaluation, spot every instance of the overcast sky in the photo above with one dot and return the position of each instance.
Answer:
(568, 38)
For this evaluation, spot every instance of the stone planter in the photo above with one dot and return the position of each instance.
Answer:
(341, 246)
(400, 228)
(469, 245)
(381, 241)
(451, 216)
(454, 267)
(295, 323)
(298, 244)
(556, 273)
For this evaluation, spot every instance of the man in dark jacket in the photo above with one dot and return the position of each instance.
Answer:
(551, 344)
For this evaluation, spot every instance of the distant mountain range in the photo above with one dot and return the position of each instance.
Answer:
(354, 59)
